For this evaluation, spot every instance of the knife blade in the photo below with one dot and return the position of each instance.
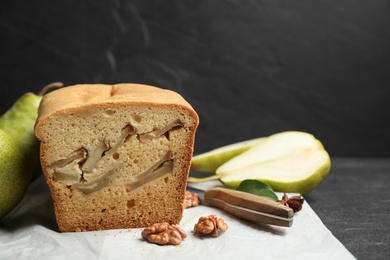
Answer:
(247, 206)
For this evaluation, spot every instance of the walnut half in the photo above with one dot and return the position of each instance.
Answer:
(164, 234)
(191, 200)
(210, 225)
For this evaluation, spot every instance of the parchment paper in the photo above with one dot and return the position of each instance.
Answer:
(30, 232)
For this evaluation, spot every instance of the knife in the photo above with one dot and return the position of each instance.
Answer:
(247, 206)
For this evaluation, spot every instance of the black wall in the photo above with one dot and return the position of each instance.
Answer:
(250, 68)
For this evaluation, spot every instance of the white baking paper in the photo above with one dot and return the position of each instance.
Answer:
(30, 232)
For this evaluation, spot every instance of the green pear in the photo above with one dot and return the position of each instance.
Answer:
(19, 120)
(15, 174)
(211, 160)
(290, 161)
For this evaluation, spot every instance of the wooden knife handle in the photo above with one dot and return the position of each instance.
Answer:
(249, 206)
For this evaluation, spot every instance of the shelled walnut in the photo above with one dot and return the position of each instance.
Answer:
(191, 200)
(164, 234)
(210, 225)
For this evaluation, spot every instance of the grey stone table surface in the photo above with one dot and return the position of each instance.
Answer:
(353, 202)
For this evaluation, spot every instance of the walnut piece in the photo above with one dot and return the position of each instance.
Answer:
(210, 225)
(164, 234)
(191, 200)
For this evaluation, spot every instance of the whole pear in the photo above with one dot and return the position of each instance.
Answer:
(15, 174)
(19, 120)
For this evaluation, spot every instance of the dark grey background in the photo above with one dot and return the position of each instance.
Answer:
(249, 68)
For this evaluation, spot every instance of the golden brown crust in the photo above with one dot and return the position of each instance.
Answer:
(73, 97)
(116, 156)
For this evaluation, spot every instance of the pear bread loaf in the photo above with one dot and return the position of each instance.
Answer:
(115, 156)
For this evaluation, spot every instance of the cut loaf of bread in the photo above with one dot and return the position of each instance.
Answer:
(115, 156)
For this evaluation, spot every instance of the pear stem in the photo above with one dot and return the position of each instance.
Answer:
(49, 87)
(204, 179)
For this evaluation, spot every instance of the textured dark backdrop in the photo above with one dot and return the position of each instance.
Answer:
(249, 68)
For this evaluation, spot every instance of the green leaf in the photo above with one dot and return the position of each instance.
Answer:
(258, 188)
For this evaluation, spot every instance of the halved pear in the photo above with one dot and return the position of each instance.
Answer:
(290, 161)
(211, 160)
